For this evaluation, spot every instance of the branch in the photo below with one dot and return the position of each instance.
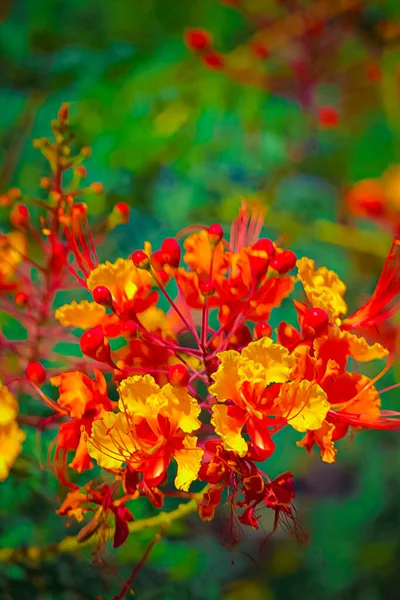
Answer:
(36, 554)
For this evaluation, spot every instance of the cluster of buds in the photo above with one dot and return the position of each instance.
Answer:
(197, 376)
(291, 45)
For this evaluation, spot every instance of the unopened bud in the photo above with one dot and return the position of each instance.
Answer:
(178, 375)
(283, 262)
(314, 323)
(94, 345)
(262, 329)
(97, 188)
(171, 252)
(102, 295)
(129, 329)
(63, 113)
(20, 216)
(21, 299)
(206, 288)
(141, 260)
(215, 233)
(45, 183)
(36, 372)
(81, 172)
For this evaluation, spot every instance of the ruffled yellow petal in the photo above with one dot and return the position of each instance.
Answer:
(229, 429)
(324, 289)
(82, 314)
(189, 460)
(153, 319)
(110, 443)
(141, 396)
(264, 361)
(122, 278)
(11, 438)
(304, 404)
(359, 349)
(184, 409)
(226, 376)
(8, 406)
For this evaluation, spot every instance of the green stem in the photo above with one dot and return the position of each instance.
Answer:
(36, 554)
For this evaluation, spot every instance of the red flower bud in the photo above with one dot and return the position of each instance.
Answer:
(178, 375)
(262, 329)
(215, 233)
(140, 259)
(102, 295)
(81, 171)
(213, 60)
(283, 262)
(63, 113)
(288, 336)
(124, 210)
(97, 188)
(206, 288)
(328, 116)
(36, 372)
(197, 39)
(315, 322)
(157, 260)
(266, 245)
(94, 345)
(21, 299)
(20, 215)
(171, 252)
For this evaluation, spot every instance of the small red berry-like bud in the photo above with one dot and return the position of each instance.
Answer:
(63, 113)
(94, 345)
(45, 182)
(129, 329)
(197, 39)
(36, 372)
(328, 117)
(213, 60)
(315, 322)
(20, 216)
(97, 187)
(206, 288)
(171, 252)
(260, 50)
(265, 245)
(157, 260)
(81, 172)
(178, 375)
(14, 193)
(21, 299)
(123, 209)
(283, 262)
(215, 234)
(262, 329)
(140, 259)
(102, 295)
(86, 151)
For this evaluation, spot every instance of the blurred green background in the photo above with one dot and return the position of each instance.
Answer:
(182, 143)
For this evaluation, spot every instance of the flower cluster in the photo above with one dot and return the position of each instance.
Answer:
(181, 373)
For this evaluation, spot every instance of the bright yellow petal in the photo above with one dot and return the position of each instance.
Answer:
(8, 406)
(265, 361)
(110, 442)
(359, 349)
(324, 289)
(82, 314)
(304, 404)
(184, 408)
(140, 395)
(226, 377)
(11, 438)
(189, 460)
(228, 429)
(154, 318)
(122, 278)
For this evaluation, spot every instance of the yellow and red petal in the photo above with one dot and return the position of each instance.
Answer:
(228, 422)
(189, 460)
(83, 314)
(303, 404)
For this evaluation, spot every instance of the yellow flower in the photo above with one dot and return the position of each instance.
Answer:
(84, 314)
(349, 344)
(11, 438)
(304, 404)
(229, 429)
(323, 288)
(8, 406)
(151, 429)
